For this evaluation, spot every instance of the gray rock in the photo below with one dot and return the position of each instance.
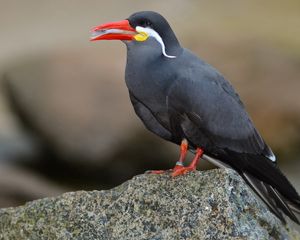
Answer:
(213, 204)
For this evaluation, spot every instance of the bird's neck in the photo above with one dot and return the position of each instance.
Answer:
(171, 42)
(152, 50)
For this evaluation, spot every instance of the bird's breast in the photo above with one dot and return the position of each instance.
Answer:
(148, 80)
(149, 85)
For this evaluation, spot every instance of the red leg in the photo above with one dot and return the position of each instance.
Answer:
(183, 151)
(191, 167)
(179, 164)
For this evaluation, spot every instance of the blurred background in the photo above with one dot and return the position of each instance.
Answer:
(66, 122)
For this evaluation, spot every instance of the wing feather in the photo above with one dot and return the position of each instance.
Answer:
(210, 107)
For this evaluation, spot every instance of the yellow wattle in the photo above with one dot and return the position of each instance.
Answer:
(142, 36)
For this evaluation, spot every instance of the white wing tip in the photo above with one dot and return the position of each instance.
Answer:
(272, 157)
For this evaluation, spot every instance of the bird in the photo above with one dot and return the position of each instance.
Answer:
(184, 100)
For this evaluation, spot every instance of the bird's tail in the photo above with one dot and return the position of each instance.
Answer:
(274, 188)
(267, 181)
(273, 199)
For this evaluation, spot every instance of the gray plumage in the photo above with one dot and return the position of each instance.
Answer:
(186, 98)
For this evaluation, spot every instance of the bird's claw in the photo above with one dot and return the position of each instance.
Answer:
(156, 171)
(182, 170)
(176, 171)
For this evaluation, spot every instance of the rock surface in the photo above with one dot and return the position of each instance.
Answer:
(213, 204)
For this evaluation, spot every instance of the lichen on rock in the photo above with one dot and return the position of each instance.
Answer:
(213, 204)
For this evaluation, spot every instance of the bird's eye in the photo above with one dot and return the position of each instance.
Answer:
(145, 23)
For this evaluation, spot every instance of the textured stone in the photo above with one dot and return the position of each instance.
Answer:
(213, 204)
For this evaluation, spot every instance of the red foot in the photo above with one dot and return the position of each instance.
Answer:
(182, 171)
(176, 168)
(179, 169)
(192, 167)
(157, 171)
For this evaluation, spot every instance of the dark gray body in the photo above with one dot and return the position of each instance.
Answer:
(184, 97)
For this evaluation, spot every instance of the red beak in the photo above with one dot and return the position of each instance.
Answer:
(113, 31)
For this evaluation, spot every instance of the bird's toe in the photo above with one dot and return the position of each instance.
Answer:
(182, 170)
(156, 171)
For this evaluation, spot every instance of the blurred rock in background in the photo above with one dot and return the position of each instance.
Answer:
(66, 122)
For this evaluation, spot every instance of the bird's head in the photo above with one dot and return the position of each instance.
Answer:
(139, 27)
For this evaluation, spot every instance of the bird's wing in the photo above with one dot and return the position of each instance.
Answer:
(212, 112)
(150, 122)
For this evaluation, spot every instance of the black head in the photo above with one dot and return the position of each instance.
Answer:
(150, 19)
(140, 27)
(155, 21)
